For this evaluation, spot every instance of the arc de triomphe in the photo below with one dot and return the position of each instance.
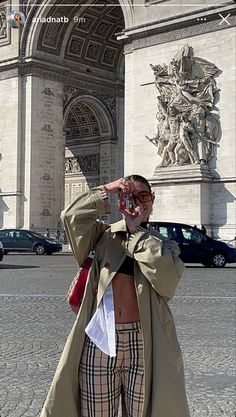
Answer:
(90, 92)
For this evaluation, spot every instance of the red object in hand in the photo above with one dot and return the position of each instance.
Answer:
(76, 291)
(125, 201)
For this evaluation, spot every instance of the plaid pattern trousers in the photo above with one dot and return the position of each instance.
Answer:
(103, 379)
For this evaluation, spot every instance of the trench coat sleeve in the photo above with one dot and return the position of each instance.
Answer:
(80, 222)
(158, 260)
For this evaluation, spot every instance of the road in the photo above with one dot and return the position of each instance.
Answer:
(35, 321)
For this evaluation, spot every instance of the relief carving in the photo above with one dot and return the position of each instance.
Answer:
(188, 127)
(93, 50)
(82, 164)
(47, 91)
(47, 129)
(3, 23)
(70, 92)
(46, 212)
(110, 102)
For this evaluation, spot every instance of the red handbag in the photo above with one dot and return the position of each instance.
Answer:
(76, 290)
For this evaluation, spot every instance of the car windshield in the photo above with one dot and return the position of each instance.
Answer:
(36, 234)
(193, 235)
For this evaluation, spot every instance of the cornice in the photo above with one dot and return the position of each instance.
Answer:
(168, 30)
(61, 74)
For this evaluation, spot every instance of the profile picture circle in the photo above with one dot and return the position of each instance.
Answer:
(15, 19)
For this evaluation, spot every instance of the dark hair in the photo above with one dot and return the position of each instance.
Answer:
(139, 178)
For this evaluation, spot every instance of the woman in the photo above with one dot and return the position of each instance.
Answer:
(123, 343)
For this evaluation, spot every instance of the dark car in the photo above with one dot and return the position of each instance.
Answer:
(19, 240)
(1, 251)
(195, 246)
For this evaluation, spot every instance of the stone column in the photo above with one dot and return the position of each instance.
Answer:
(10, 150)
(44, 161)
(31, 152)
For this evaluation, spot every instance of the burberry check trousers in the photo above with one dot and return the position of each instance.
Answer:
(102, 378)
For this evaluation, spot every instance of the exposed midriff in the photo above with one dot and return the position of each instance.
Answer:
(125, 299)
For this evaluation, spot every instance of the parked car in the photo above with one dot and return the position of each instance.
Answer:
(195, 246)
(19, 240)
(1, 251)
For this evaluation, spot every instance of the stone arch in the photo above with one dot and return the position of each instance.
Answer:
(94, 77)
(30, 31)
(33, 26)
(103, 116)
(128, 13)
(90, 145)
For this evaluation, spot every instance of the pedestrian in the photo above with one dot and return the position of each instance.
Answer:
(58, 235)
(123, 343)
(47, 233)
(203, 229)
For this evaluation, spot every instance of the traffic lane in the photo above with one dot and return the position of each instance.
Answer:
(29, 273)
(37, 274)
(28, 258)
(22, 258)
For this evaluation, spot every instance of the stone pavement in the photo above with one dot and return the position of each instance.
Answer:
(35, 322)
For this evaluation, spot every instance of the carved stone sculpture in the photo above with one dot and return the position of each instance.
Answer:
(82, 163)
(187, 123)
(3, 23)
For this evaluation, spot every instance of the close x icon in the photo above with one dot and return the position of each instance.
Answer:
(224, 19)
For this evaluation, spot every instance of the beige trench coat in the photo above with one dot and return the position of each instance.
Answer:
(157, 273)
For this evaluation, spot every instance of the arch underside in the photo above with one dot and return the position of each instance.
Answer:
(86, 118)
(87, 125)
(82, 35)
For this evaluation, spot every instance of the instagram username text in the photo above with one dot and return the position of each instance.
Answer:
(61, 19)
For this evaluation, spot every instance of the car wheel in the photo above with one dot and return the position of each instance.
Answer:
(218, 260)
(39, 250)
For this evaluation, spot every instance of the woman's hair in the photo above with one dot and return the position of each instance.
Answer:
(139, 178)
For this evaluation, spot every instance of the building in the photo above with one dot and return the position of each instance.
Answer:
(94, 91)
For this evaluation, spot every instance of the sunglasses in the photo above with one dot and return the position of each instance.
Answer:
(143, 197)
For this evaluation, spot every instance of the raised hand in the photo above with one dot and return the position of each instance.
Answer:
(120, 185)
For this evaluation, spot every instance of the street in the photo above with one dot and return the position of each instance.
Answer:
(35, 321)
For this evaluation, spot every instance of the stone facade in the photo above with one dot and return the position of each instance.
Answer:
(65, 123)
(62, 128)
(181, 196)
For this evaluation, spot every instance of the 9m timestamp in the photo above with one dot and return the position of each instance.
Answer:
(78, 19)
(61, 19)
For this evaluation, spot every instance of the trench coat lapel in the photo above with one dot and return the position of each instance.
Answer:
(104, 281)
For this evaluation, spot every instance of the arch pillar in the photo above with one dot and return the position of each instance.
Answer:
(32, 166)
(11, 195)
(45, 153)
